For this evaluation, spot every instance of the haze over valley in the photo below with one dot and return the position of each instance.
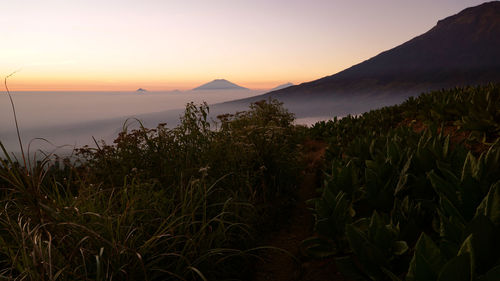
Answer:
(72, 118)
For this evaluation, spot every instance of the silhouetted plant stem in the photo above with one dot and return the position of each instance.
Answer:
(15, 119)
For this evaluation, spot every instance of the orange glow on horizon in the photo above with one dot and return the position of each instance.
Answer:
(117, 45)
(29, 81)
(16, 84)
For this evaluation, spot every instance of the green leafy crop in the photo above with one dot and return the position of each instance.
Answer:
(412, 191)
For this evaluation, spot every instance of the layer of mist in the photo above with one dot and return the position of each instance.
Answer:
(74, 118)
(63, 121)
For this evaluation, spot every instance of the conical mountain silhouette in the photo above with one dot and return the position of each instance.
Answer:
(219, 84)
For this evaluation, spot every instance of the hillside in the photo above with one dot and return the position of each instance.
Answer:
(412, 191)
(462, 49)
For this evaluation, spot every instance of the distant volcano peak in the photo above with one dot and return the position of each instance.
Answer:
(220, 84)
(282, 86)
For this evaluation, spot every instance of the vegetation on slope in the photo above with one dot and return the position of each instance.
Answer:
(412, 192)
(158, 204)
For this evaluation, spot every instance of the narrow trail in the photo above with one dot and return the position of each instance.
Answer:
(279, 266)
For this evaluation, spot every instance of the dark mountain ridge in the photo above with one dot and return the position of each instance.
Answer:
(460, 50)
(463, 49)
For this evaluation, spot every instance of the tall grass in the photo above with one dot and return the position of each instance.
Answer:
(157, 204)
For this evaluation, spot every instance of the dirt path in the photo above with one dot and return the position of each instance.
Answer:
(279, 266)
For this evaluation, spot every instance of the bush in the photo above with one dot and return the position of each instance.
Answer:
(157, 204)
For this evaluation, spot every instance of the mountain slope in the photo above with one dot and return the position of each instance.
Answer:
(460, 50)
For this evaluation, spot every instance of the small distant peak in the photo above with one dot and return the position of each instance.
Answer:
(282, 86)
(141, 90)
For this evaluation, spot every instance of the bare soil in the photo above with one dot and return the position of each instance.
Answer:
(290, 264)
(456, 136)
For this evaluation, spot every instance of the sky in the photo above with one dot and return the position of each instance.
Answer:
(120, 45)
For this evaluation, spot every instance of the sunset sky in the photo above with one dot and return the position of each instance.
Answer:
(166, 45)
